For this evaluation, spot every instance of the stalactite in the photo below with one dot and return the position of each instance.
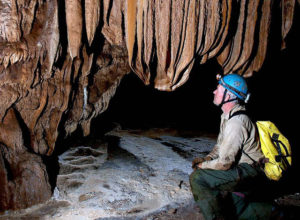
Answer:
(92, 18)
(113, 22)
(247, 40)
(131, 28)
(74, 25)
(187, 49)
(225, 11)
(287, 8)
(148, 37)
(256, 63)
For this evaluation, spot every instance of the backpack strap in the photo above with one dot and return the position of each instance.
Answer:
(280, 156)
(241, 112)
(254, 162)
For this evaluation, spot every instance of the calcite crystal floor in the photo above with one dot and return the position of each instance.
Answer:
(129, 175)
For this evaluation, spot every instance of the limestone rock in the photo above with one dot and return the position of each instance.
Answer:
(23, 176)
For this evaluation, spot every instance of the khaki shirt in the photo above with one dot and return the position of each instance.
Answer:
(236, 134)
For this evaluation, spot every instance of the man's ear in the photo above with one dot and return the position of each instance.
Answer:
(228, 96)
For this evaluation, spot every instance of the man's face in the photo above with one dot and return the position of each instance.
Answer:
(218, 95)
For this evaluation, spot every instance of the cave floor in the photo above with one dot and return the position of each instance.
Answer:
(128, 174)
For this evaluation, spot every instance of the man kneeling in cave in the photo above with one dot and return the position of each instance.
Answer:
(232, 166)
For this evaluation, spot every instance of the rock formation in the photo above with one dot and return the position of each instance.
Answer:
(61, 62)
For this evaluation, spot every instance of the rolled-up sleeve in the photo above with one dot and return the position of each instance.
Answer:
(215, 152)
(229, 147)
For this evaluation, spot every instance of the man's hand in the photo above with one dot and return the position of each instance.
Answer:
(196, 164)
(199, 166)
(196, 161)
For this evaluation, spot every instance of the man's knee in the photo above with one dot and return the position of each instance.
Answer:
(197, 178)
(193, 176)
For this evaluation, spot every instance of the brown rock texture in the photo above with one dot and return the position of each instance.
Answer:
(164, 37)
(23, 176)
(62, 61)
(51, 81)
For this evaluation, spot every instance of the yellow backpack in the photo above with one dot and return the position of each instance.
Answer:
(276, 149)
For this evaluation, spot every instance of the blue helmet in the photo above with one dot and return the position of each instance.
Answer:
(235, 84)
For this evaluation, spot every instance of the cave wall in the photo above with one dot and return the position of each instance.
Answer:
(62, 61)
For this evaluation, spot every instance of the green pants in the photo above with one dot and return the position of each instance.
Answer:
(208, 187)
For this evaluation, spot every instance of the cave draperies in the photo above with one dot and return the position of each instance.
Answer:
(164, 37)
(161, 38)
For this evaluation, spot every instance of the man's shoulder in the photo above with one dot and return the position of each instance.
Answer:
(239, 115)
(238, 119)
(238, 111)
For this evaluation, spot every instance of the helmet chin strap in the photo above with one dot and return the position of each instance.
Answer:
(224, 97)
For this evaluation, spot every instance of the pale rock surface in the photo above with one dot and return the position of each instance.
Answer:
(131, 176)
